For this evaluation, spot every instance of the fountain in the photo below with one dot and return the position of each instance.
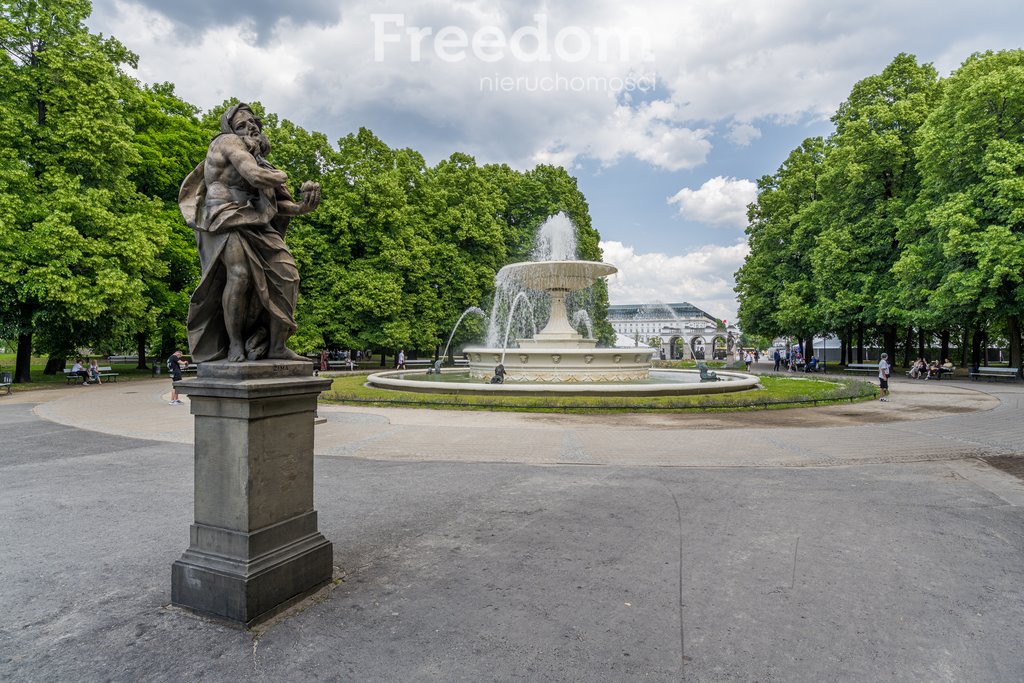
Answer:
(558, 353)
(557, 359)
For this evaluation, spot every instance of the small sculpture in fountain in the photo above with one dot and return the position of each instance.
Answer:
(499, 375)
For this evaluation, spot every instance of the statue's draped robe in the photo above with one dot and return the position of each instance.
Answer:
(252, 216)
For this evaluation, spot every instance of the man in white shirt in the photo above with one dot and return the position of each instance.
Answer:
(883, 377)
(77, 369)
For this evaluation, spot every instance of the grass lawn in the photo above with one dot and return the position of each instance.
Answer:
(775, 392)
(41, 381)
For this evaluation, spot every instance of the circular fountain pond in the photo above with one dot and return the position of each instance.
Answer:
(657, 383)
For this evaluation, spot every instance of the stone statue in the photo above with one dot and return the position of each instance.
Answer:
(239, 206)
(499, 375)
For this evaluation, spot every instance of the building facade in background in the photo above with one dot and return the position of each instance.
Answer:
(681, 331)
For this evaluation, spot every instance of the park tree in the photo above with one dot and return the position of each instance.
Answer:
(776, 292)
(78, 243)
(170, 140)
(968, 249)
(869, 182)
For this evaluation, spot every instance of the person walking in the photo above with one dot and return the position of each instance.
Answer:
(883, 377)
(174, 364)
(778, 360)
(401, 359)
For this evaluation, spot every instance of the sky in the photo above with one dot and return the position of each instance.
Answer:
(667, 112)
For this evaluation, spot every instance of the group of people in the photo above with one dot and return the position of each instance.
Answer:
(922, 369)
(90, 373)
(794, 361)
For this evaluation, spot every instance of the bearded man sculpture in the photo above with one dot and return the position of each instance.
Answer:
(239, 206)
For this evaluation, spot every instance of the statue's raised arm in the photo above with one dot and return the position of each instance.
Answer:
(239, 206)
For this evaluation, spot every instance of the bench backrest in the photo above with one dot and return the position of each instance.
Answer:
(1001, 371)
(6, 378)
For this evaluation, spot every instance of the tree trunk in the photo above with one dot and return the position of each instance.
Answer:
(809, 350)
(860, 342)
(843, 346)
(944, 345)
(964, 348)
(889, 341)
(1013, 326)
(383, 359)
(140, 348)
(54, 364)
(976, 349)
(920, 343)
(23, 363)
(908, 346)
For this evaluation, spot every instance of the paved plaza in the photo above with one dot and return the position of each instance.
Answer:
(861, 542)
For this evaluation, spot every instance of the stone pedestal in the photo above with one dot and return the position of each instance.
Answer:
(254, 543)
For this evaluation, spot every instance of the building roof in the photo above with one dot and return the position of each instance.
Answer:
(656, 312)
(623, 341)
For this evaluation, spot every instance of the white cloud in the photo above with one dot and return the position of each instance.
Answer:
(742, 134)
(744, 61)
(703, 277)
(648, 132)
(719, 201)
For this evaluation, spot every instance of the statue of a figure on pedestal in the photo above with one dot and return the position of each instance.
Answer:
(239, 206)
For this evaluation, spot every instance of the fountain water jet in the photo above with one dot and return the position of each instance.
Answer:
(472, 309)
(521, 296)
(584, 317)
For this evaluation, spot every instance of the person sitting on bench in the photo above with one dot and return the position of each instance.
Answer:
(94, 371)
(77, 369)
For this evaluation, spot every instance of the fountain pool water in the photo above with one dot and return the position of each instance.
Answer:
(558, 359)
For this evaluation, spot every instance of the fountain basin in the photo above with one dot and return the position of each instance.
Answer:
(563, 361)
(660, 383)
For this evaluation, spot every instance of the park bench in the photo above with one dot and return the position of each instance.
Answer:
(123, 359)
(5, 381)
(994, 373)
(862, 367)
(338, 365)
(418, 363)
(106, 372)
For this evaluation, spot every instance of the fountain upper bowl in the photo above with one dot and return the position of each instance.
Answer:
(557, 275)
